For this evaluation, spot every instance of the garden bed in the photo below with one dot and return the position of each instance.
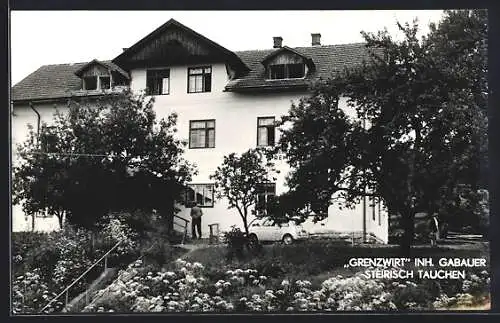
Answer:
(44, 264)
(303, 277)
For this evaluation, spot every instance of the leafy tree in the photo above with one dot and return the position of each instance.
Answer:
(110, 154)
(420, 128)
(239, 178)
(322, 144)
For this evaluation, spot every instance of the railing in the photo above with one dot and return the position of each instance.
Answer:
(183, 226)
(96, 299)
(66, 290)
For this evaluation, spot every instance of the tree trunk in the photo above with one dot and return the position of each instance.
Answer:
(167, 214)
(408, 220)
(245, 222)
(60, 216)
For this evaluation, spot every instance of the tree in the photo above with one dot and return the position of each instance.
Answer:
(110, 154)
(422, 132)
(239, 178)
(322, 146)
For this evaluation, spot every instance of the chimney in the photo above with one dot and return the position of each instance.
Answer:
(124, 48)
(278, 41)
(316, 39)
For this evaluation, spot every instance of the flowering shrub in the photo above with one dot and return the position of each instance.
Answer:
(29, 292)
(45, 269)
(114, 230)
(185, 288)
(475, 290)
(236, 241)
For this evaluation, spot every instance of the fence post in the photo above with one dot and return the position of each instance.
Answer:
(67, 297)
(105, 263)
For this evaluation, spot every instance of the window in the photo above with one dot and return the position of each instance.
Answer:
(286, 71)
(95, 82)
(199, 79)
(158, 82)
(265, 131)
(264, 193)
(90, 82)
(277, 72)
(105, 82)
(202, 194)
(202, 134)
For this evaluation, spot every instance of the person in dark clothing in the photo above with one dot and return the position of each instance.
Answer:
(434, 229)
(196, 214)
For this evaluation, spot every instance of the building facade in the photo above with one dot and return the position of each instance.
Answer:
(226, 102)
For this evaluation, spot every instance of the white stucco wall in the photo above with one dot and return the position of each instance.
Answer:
(22, 116)
(236, 131)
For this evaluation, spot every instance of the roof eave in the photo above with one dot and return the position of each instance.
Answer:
(61, 98)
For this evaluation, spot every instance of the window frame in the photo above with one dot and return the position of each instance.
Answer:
(287, 72)
(207, 145)
(156, 70)
(202, 74)
(204, 185)
(266, 194)
(274, 128)
(98, 82)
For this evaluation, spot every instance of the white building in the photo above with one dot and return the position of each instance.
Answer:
(226, 102)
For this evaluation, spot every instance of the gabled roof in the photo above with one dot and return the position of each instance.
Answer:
(106, 64)
(127, 53)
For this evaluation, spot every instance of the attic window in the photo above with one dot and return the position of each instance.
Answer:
(90, 83)
(105, 82)
(286, 71)
(94, 82)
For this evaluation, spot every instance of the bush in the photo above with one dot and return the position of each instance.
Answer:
(47, 263)
(236, 241)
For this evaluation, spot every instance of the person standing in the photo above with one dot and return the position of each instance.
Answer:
(434, 226)
(196, 214)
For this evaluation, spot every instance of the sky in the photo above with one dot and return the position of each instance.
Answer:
(55, 37)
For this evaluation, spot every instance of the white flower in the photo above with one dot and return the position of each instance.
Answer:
(197, 265)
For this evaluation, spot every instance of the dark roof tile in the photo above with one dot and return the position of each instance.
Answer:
(327, 60)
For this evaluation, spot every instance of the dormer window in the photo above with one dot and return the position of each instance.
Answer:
(286, 71)
(90, 83)
(97, 75)
(287, 63)
(102, 82)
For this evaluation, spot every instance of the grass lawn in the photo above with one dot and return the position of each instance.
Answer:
(317, 261)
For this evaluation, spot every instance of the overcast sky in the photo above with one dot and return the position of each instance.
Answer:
(52, 37)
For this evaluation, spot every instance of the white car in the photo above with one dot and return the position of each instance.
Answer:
(266, 230)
